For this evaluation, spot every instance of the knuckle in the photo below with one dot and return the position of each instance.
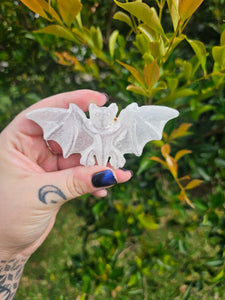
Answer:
(75, 187)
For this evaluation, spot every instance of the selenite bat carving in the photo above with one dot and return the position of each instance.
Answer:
(103, 137)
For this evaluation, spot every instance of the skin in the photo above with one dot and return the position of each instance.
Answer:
(35, 183)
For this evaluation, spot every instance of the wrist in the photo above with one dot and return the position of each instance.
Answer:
(8, 255)
(11, 270)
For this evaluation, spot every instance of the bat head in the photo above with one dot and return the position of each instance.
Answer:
(103, 117)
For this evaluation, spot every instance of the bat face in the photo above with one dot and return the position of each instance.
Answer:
(102, 117)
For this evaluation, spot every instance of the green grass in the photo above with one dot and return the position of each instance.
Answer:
(175, 263)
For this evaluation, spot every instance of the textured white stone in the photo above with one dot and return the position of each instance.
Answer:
(103, 137)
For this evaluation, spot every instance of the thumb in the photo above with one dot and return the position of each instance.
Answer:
(57, 187)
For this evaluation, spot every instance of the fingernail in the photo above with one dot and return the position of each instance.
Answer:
(103, 178)
(107, 96)
(125, 170)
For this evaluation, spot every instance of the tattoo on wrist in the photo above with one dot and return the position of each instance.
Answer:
(49, 189)
(10, 274)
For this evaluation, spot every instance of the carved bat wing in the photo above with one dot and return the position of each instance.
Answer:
(140, 125)
(68, 127)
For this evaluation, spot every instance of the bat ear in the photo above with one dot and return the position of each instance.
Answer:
(95, 110)
(92, 106)
(113, 108)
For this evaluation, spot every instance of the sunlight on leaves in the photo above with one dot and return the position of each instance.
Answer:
(143, 12)
(68, 10)
(186, 8)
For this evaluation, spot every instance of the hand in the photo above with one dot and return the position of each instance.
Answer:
(35, 182)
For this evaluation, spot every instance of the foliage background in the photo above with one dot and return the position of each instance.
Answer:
(141, 242)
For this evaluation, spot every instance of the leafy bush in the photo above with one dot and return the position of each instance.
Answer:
(144, 241)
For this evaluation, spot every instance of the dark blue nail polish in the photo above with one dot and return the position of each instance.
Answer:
(103, 178)
(125, 170)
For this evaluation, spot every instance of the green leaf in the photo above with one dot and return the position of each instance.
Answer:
(203, 173)
(68, 10)
(148, 32)
(147, 221)
(137, 90)
(148, 58)
(106, 231)
(215, 263)
(98, 209)
(200, 206)
(173, 9)
(57, 30)
(133, 280)
(99, 39)
(187, 293)
(161, 85)
(141, 43)
(205, 108)
(222, 39)
(79, 35)
(219, 277)
(112, 42)
(218, 53)
(157, 48)
(217, 199)
(172, 83)
(177, 94)
(176, 41)
(200, 51)
(187, 70)
(96, 36)
(219, 162)
(182, 247)
(121, 16)
(144, 165)
(145, 13)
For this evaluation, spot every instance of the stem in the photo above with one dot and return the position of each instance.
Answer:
(205, 77)
(161, 6)
(133, 20)
(183, 190)
(171, 42)
(184, 24)
(145, 286)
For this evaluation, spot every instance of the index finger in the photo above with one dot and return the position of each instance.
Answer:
(82, 98)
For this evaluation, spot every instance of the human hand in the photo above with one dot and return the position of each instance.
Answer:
(35, 182)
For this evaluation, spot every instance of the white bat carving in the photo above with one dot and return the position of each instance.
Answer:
(103, 138)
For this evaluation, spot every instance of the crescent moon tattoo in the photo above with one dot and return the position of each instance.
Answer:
(49, 189)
